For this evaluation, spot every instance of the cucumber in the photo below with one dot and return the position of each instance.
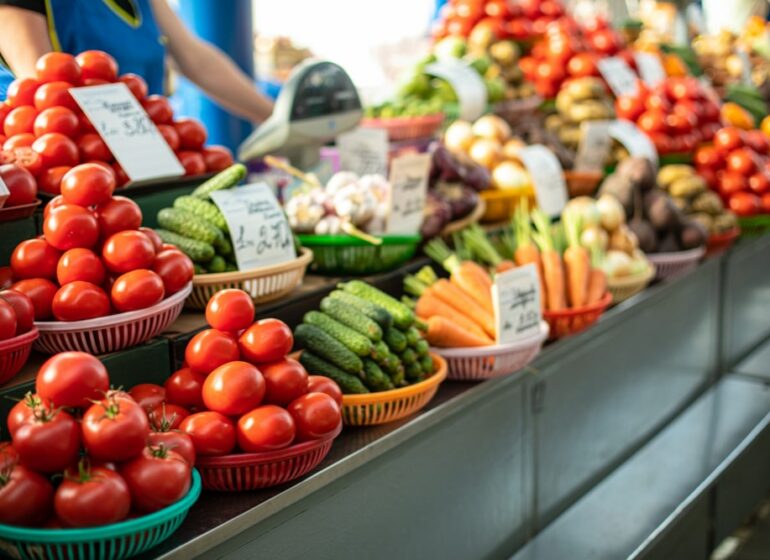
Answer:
(395, 369)
(217, 264)
(414, 372)
(421, 348)
(327, 347)
(198, 269)
(349, 384)
(381, 351)
(354, 341)
(351, 317)
(403, 317)
(374, 312)
(426, 364)
(395, 340)
(202, 208)
(231, 267)
(189, 225)
(224, 246)
(408, 357)
(222, 180)
(374, 378)
(412, 336)
(198, 251)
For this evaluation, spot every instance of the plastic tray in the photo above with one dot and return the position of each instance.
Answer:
(250, 471)
(627, 286)
(111, 333)
(572, 321)
(113, 542)
(487, 362)
(407, 128)
(344, 254)
(14, 353)
(501, 205)
(673, 265)
(371, 409)
(262, 284)
(721, 242)
(18, 212)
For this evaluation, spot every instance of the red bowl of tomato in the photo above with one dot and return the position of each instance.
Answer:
(14, 353)
(720, 242)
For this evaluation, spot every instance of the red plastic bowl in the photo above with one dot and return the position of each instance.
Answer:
(8, 213)
(719, 243)
(14, 353)
(572, 321)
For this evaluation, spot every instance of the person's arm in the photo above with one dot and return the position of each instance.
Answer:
(23, 39)
(209, 68)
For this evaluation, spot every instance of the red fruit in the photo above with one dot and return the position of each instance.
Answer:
(58, 66)
(56, 149)
(34, 258)
(41, 291)
(78, 301)
(56, 119)
(80, 264)
(21, 92)
(87, 184)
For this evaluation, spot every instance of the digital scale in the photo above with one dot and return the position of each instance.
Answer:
(316, 104)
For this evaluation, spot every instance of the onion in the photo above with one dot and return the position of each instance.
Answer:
(594, 236)
(459, 137)
(586, 208)
(492, 127)
(509, 175)
(623, 239)
(617, 264)
(611, 212)
(511, 148)
(486, 152)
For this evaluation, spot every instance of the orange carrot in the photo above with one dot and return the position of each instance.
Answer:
(577, 261)
(597, 285)
(505, 265)
(444, 333)
(553, 270)
(476, 282)
(526, 251)
(430, 306)
(453, 295)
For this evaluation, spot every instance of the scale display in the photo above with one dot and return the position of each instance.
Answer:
(325, 90)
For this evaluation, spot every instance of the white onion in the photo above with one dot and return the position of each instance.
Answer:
(459, 137)
(611, 212)
(492, 127)
(509, 175)
(486, 152)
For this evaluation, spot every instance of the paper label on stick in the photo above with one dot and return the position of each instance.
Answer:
(547, 177)
(595, 145)
(650, 68)
(258, 227)
(516, 300)
(467, 84)
(364, 151)
(408, 192)
(745, 66)
(127, 130)
(4, 193)
(635, 141)
(619, 76)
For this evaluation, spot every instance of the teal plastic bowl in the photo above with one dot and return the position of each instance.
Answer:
(110, 542)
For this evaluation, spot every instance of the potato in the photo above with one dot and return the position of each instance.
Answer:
(671, 173)
(725, 222)
(703, 219)
(585, 88)
(553, 123)
(589, 110)
(682, 203)
(570, 135)
(564, 101)
(708, 202)
(687, 187)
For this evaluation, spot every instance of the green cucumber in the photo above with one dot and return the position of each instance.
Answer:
(414, 372)
(217, 264)
(421, 348)
(351, 317)
(395, 340)
(349, 384)
(412, 336)
(408, 357)
(189, 225)
(198, 251)
(354, 341)
(374, 312)
(231, 267)
(426, 364)
(403, 317)
(381, 351)
(374, 378)
(222, 180)
(327, 347)
(395, 369)
(198, 269)
(203, 209)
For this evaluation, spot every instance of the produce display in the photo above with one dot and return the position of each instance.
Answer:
(578, 101)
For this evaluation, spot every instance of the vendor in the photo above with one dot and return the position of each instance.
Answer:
(137, 33)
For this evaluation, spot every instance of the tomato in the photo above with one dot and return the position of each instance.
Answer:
(20, 120)
(728, 139)
(209, 349)
(192, 162)
(217, 158)
(460, 27)
(21, 91)
(48, 442)
(176, 441)
(560, 50)
(316, 415)
(266, 428)
(85, 124)
(233, 388)
(25, 409)
(28, 159)
(6, 277)
(166, 416)
(710, 176)
(128, 250)
(682, 88)
(741, 161)
(57, 66)
(24, 140)
(34, 258)
(652, 120)
(709, 157)
(121, 178)
(91, 146)
(72, 379)
(26, 497)
(757, 141)
(285, 381)
(321, 384)
(158, 108)
(71, 226)
(170, 135)
(22, 308)
(115, 429)
(528, 65)
(53, 204)
(711, 112)
(606, 41)
(8, 456)
(731, 182)
(157, 478)
(56, 119)
(185, 388)
(120, 214)
(267, 340)
(7, 321)
(759, 183)
(92, 496)
(230, 310)
(54, 94)
(88, 184)
(80, 265)
(21, 185)
(658, 101)
(681, 123)
(138, 289)
(550, 70)
(765, 203)
(745, 204)
(628, 107)
(212, 433)
(148, 395)
(97, 64)
(56, 149)
(136, 84)
(41, 291)
(50, 179)
(175, 269)
(80, 300)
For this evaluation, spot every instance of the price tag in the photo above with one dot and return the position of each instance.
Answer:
(636, 142)
(650, 68)
(516, 301)
(619, 76)
(547, 177)
(364, 151)
(125, 127)
(4, 193)
(595, 145)
(258, 227)
(745, 66)
(408, 191)
(467, 84)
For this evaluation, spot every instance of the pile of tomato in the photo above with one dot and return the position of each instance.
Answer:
(82, 455)
(17, 314)
(94, 259)
(43, 130)
(737, 166)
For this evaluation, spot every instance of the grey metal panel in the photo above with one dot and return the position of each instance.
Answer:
(689, 539)
(758, 362)
(619, 384)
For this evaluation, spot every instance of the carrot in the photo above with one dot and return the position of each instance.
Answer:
(431, 306)
(553, 270)
(444, 333)
(456, 297)
(526, 251)
(577, 261)
(597, 285)
(467, 274)
(504, 266)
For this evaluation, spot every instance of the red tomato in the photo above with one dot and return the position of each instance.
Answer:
(56, 149)
(26, 497)
(92, 147)
(528, 65)
(731, 182)
(759, 183)
(175, 269)
(121, 214)
(50, 179)
(628, 107)
(71, 226)
(29, 160)
(72, 379)
(658, 101)
(710, 176)
(34, 258)
(48, 442)
(547, 88)
(148, 395)
(138, 289)
(681, 123)
(21, 92)
(230, 310)
(606, 41)
(6, 277)
(265, 428)
(234, 388)
(121, 178)
(87, 184)
(136, 84)
(80, 265)
(78, 301)
(176, 441)
(56, 66)
(652, 121)
(209, 349)
(711, 113)
(25, 410)
(41, 291)
(24, 140)
(166, 416)
(55, 94)
(22, 308)
(56, 119)
(92, 496)
(53, 204)
(321, 384)
(98, 65)
(285, 381)
(157, 478)
(552, 71)
(85, 125)
(185, 388)
(217, 158)
(21, 185)
(765, 203)
(157, 242)
(192, 162)
(757, 141)
(19, 121)
(115, 429)
(212, 433)
(128, 250)
(709, 157)
(728, 139)
(267, 340)
(158, 108)
(745, 204)
(683, 88)
(7, 321)
(316, 415)
(582, 65)
(170, 135)
(741, 161)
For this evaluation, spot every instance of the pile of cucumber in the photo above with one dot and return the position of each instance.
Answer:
(197, 227)
(365, 340)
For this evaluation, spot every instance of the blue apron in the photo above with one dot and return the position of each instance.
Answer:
(75, 26)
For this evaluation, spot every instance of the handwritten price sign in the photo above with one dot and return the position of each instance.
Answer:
(408, 191)
(364, 151)
(636, 142)
(516, 300)
(595, 145)
(619, 76)
(547, 177)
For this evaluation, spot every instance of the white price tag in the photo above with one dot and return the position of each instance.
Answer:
(650, 68)
(258, 227)
(468, 85)
(595, 145)
(4, 193)
(128, 131)
(636, 142)
(408, 191)
(547, 177)
(364, 151)
(619, 76)
(516, 300)
(745, 66)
